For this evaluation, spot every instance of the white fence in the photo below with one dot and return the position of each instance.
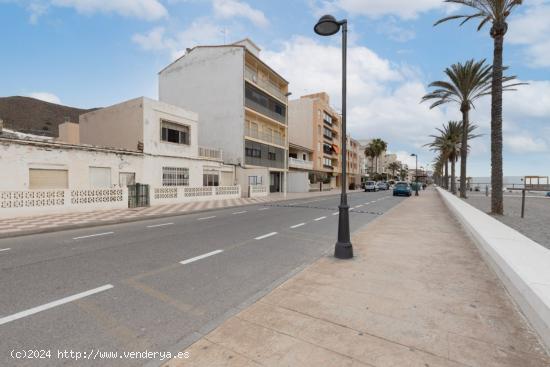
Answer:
(258, 191)
(34, 202)
(184, 194)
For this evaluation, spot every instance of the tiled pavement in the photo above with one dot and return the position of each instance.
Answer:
(51, 222)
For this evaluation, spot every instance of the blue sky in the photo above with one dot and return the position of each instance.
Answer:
(90, 53)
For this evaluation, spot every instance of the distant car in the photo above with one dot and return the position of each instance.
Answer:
(548, 194)
(382, 185)
(370, 186)
(402, 188)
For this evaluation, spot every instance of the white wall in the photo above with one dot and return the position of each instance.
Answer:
(210, 81)
(298, 182)
(300, 122)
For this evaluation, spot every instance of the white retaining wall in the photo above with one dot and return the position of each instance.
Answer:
(36, 202)
(256, 191)
(185, 194)
(522, 264)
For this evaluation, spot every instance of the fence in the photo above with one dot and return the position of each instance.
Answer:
(34, 202)
(255, 191)
(184, 194)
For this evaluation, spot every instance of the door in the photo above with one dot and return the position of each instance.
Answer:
(126, 179)
(274, 181)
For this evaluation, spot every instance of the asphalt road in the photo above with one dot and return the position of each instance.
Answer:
(156, 285)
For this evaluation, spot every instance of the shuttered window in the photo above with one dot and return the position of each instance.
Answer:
(44, 179)
(100, 177)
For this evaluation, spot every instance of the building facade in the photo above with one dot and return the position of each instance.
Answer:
(242, 104)
(354, 161)
(314, 136)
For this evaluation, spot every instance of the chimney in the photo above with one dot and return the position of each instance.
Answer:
(69, 132)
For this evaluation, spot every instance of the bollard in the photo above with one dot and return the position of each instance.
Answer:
(523, 203)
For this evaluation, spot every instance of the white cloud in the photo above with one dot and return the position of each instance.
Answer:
(524, 143)
(531, 29)
(142, 9)
(46, 97)
(232, 8)
(394, 31)
(405, 9)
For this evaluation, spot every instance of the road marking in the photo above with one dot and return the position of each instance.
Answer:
(32, 311)
(160, 225)
(193, 259)
(320, 218)
(358, 206)
(336, 213)
(244, 211)
(93, 235)
(205, 218)
(266, 236)
(5, 249)
(298, 225)
(263, 208)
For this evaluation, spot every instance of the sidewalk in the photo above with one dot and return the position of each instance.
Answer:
(55, 222)
(417, 294)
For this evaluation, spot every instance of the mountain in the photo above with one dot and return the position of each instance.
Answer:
(34, 116)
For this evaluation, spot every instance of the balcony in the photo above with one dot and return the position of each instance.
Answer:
(300, 163)
(264, 137)
(252, 76)
(210, 153)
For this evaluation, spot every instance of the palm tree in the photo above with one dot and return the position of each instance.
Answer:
(394, 166)
(467, 83)
(370, 153)
(496, 12)
(377, 146)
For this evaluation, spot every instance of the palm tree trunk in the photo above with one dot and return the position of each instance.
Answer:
(464, 148)
(453, 176)
(497, 206)
(446, 183)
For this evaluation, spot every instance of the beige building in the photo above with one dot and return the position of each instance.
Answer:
(314, 137)
(242, 104)
(354, 161)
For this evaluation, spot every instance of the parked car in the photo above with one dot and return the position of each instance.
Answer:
(548, 194)
(402, 188)
(382, 185)
(370, 186)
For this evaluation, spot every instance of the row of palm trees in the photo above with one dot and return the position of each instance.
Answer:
(374, 150)
(466, 83)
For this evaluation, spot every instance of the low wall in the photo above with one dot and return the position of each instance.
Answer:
(522, 264)
(184, 194)
(256, 191)
(36, 202)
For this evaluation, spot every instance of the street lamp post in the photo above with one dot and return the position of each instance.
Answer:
(328, 26)
(416, 174)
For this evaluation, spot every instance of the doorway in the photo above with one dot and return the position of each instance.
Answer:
(274, 181)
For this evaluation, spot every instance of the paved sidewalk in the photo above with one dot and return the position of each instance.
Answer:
(417, 294)
(54, 222)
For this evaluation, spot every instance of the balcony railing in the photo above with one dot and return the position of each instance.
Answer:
(210, 153)
(271, 88)
(264, 110)
(300, 163)
(265, 137)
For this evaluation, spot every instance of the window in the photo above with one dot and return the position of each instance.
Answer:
(175, 176)
(327, 118)
(210, 180)
(304, 157)
(100, 177)
(253, 152)
(272, 156)
(255, 180)
(327, 162)
(42, 179)
(126, 179)
(327, 149)
(327, 133)
(174, 133)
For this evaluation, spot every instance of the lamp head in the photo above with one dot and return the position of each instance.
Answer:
(327, 26)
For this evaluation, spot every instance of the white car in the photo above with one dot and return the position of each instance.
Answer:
(370, 186)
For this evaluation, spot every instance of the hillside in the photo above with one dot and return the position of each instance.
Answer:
(31, 115)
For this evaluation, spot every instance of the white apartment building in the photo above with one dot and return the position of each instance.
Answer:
(242, 106)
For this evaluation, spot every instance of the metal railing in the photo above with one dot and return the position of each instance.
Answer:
(253, 76)
(265, 137)
(210, 153)
(264, 110)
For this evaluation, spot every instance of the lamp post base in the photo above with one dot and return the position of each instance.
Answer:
(343, 248)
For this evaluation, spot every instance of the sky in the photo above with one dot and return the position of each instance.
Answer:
(95, 53)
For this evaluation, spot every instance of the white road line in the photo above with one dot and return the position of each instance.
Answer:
(93, 235)
(160, 225)
(358, 206)
(244, 211)
(266, 236)
(193, 259)
(336, 213)
(263, 208)
(320, 218)
(32, 311)
(205, 218)
(5, 249)
(298, 225)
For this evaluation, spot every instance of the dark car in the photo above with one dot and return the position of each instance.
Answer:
(402, 189)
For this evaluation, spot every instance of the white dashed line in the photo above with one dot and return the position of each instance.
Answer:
(93, 235)
(320, 218)
(244, 211)
(193, 259)
(298, 225)
(336, 213)
(5, 249)
(358, 206)
(160, 225)
(263, 208)
(266, 236)
(32, 311)
(205, 218)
